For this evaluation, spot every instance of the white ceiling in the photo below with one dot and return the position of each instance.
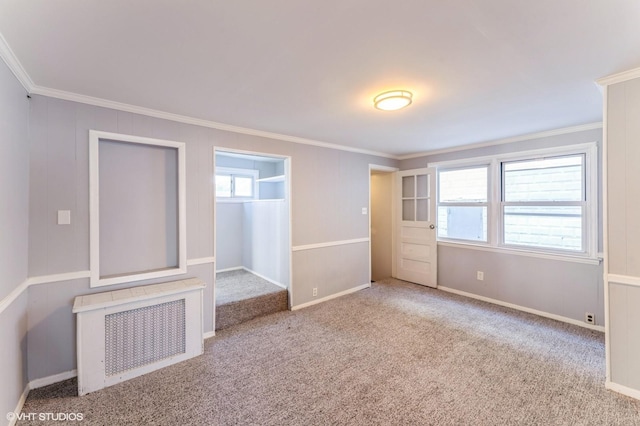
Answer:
(479, 70)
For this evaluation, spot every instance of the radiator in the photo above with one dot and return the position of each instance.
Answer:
(126, 333)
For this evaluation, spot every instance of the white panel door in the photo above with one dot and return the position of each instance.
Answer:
(416, 222)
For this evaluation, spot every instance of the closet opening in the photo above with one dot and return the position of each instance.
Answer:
(252, 235)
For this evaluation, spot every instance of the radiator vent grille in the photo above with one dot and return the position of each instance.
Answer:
(143, 336)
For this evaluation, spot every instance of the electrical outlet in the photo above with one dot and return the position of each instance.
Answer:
(480, 276)
(315, 291)
(589, 318)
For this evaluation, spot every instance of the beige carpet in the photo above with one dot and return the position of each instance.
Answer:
(395, 354)
(242, 296)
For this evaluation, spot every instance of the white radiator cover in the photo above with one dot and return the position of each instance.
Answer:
(126, 333)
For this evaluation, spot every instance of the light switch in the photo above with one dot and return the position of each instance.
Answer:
(64, 217)
(364, 210)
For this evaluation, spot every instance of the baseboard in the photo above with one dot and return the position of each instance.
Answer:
(46, 381)
(235, 268)
(523, 309)
(265, 278)
(633, 393)
(23, 398)
(333, 296)
(208, 334)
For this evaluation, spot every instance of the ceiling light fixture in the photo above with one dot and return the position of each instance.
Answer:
(393, 100)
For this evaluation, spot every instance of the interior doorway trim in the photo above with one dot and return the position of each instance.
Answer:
(287, 192)
(386, 169)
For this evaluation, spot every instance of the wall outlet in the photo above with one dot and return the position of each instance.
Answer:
(315, 291)
(480, 276)
(589, 318)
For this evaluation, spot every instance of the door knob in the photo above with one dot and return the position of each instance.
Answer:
(432, 226)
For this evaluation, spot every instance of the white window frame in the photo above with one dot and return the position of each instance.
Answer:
(231, 171)
(487, 204)
(495, 218)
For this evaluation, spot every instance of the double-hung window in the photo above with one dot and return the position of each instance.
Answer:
(463, 202)
(537, 201)
(544, 203)
(236, 183)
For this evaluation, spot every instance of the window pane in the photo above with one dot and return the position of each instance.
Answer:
(408, 187)
(422, 189)
(223, 186)
(549, 179)
(408, 210)
(464, 223)
(422, 210)
(463, 185)
(547, 227)
(243, 186)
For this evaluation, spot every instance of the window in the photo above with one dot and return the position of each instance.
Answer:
(236, 183)
(543, 201)
(462, 203)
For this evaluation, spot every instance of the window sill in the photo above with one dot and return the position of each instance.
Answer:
(528, 253)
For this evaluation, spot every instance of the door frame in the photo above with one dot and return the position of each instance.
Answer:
(287, 194)
(392, 170)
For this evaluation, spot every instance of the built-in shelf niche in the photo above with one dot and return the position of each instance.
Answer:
(137, 208)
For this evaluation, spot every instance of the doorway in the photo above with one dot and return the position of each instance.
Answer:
(252, 235)
(381, 203)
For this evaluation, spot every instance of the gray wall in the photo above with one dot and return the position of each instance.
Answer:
(568, 289)
(329, 190)
(14, 214)
(623, 192)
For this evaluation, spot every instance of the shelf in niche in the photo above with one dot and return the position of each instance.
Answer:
(279, 178)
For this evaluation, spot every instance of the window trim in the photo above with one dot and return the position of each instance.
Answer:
(495, 225)
(486, 204)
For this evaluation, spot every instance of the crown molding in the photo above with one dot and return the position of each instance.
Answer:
(619, 77)
(14, 65)
(105, 103)
(520, 138)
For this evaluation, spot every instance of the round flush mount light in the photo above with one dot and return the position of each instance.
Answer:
(393, 100)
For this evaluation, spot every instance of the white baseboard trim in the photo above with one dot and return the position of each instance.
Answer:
(46, 381)
(208, 334)
(265, 278)
(235, 268)
(633, 393)
(333, 296)
(523, 308)
(18, 409)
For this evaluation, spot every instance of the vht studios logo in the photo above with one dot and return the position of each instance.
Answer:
(51, 417)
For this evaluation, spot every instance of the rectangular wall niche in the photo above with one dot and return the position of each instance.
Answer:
(137, 216)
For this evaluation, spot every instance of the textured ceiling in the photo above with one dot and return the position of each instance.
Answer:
(479, 70)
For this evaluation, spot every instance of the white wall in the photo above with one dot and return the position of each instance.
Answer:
(556, 287)
(14, 215)
(229, 235)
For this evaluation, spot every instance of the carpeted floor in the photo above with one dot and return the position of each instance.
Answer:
(395, 354)
(242, 296)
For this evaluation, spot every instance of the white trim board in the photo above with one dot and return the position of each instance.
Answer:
(201, 261)
(329, 244)
(332, 296)
(619, 77)
(624, 390)
(622, 279)
(523, 309)
(520, 138)
(19, 405)
(13, 295)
